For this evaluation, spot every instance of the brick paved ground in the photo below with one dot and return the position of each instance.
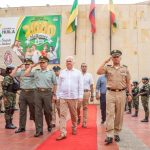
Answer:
(134, 136)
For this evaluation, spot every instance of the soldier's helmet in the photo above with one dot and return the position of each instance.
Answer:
(9, 68)
(135, 82)
(145, 78)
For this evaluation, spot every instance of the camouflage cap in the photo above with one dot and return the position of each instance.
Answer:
(43, 59)
(116, 53)
(56, 68)
(28, 61)
(145, 78)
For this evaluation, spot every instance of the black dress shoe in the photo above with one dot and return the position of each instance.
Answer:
(108, 140)
(49, 128)
(117, 138)
(20, 130)
(37, 134)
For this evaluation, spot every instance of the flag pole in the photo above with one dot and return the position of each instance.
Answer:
(75, 43)
(110, 28)
(92, 43)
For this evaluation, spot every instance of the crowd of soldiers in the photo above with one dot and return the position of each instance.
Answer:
(144, 92)
(39, 91)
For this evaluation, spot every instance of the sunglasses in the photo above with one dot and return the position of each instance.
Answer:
(42, 62)
(68, 61)
(83, 66)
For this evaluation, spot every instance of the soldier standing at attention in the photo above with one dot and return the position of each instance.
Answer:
(45, 80)
(118, 79)
(144, 92)
(9, 95)
(26, 97)
(135, 97)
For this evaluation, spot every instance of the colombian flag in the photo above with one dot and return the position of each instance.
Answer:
(71, 26)
(92, 16)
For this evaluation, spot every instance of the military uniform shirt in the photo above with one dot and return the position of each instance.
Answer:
(116, 77)
(26, 82)
(44, 79)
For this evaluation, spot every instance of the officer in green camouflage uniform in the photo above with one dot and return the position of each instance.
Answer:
(144, 92)
(45, 80)
(135, 97)
(9, 96)
(26, 97)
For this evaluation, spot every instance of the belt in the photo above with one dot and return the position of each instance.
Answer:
(115, 90)
(86, 90)
(44, 89)
(27, 90)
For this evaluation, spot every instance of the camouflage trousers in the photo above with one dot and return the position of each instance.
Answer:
(9, 104)
(135, 101)
(145, 101)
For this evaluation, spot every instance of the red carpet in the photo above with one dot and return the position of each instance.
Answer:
(86, 138)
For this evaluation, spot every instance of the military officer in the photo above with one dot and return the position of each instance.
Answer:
(135, 97)
(118, 79)
(26, 97)
(45, 80)
(9, 96)
(144, 92)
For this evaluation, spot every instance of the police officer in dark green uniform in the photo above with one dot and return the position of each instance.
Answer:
(9, 96)
(45, 80)
(26, 97)
(144, 92)
(135, 97)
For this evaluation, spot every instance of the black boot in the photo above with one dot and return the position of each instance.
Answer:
(136, 114)
(20, 130)
(108, 140)
(9, 125)
(145, 120)
(12, 124)
(129, 111)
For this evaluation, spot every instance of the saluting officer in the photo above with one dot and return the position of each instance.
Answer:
(118, 79)
(26, 97)
(45, 80)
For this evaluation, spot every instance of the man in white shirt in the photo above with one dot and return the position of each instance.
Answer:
(88, 91)
(70, 92)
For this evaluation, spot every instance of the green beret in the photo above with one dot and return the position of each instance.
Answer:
(116, 53)
(43, 59)
(28, 61)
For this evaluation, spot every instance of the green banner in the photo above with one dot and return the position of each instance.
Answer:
(40, 35)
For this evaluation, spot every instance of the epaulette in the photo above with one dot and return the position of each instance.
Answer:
(124, 66)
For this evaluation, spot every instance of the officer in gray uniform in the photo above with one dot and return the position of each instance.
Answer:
(26, 97)
(45, 80)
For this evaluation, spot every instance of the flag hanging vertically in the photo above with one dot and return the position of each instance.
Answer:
(92, 16)
(71, 26)
(112, 16)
